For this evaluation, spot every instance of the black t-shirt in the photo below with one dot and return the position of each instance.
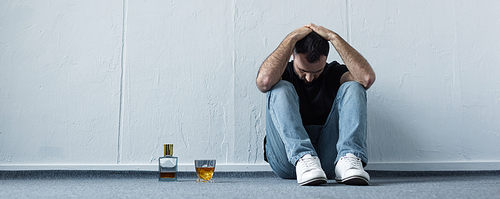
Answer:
(316, 99)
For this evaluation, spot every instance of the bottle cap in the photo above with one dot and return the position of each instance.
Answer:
(168, 149)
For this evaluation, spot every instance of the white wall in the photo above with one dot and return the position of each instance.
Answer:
(102, 84)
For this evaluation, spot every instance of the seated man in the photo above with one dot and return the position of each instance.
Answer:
(316, 110)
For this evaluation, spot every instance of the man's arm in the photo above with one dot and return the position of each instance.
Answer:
(359, 69)
(273, 67)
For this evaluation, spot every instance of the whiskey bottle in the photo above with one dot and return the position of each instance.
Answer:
(167, 165)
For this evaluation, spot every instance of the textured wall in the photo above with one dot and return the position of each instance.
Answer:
(107, 82)
(436, 98)
(59, 81)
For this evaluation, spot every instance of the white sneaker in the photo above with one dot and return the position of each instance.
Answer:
(309, 171)
(349, 170)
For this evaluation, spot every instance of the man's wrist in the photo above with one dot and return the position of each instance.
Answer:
(335, 38)
(292, 38)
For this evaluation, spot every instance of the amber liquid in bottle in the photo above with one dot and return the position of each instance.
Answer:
(170, 175)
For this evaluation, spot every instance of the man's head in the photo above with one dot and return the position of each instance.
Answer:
(309, 56)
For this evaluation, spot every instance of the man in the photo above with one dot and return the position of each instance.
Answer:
(316, 111)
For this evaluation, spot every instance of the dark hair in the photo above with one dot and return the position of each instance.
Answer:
(313, 45)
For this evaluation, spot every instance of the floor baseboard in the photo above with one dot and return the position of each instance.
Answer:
(378, 166)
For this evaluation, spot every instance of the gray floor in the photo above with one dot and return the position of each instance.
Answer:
(132, 184)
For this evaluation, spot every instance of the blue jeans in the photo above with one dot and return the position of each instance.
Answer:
(287, 140)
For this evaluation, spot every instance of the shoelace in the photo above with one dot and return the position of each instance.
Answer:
(354, 162)
(309, 162)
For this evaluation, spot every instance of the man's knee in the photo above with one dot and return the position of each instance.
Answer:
(352, 87)
(282, 89)
(283, 86)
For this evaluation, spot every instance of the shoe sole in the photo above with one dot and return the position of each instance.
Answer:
(354, 180)
(314, 181)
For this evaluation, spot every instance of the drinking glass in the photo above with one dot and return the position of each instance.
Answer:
(204, 170)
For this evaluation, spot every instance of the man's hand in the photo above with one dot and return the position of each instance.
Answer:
(300, 33)
(322, 31)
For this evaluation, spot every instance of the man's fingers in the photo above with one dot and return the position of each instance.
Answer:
(312, 26)
(316, 28)
(320, 30)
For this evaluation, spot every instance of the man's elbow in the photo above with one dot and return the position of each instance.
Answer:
(263, 84)
(368, 81)
(263, 89)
